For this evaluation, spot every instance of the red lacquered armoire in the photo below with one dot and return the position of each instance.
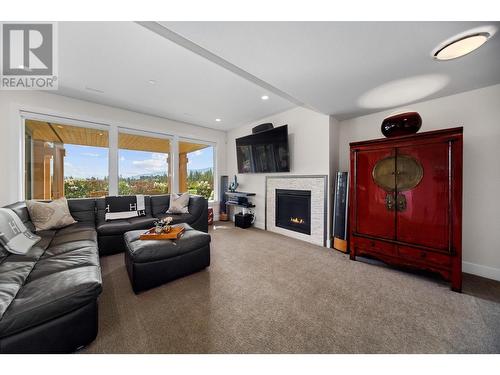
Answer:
(406, 202)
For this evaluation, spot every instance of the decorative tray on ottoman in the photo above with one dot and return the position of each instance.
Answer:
(174, 234)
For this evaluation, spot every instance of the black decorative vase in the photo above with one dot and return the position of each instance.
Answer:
(401, 124)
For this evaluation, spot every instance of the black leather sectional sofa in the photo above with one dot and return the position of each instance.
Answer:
(48, 297)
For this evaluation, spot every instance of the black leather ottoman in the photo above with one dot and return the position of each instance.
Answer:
(154, 262)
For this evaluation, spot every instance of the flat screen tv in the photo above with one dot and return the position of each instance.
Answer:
(264, 152)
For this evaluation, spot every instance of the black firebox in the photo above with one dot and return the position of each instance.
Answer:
(293, 210)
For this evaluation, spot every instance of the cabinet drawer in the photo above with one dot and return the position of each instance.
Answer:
(374, 246)
(424, 256)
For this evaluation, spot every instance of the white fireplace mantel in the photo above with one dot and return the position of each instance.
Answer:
(318, 185)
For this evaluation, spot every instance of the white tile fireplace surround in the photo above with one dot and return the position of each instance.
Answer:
(318, 185)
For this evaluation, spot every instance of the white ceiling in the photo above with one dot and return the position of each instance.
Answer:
(330, 65)
(208, 70)
(119, 58)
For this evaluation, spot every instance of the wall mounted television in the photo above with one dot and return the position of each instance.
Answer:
(264, 152)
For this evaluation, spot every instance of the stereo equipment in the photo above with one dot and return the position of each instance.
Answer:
(340, 212)
(224, 185)
(238, 201)
(242, 220)
(262, 127)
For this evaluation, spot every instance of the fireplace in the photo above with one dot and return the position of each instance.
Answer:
(293, 210)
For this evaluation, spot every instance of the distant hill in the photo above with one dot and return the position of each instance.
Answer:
(156, 174)
(201, 170)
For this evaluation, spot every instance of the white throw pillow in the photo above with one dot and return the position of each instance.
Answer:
(50, 215)
(178, 204)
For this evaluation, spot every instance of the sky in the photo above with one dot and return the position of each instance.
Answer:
(87, 161)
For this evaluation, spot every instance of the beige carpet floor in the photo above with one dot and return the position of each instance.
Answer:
(266, 293)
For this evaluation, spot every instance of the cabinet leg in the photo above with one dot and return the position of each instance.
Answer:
(456, 275)
(456, 281)
(456, 285)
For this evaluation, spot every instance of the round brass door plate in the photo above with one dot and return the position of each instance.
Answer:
(406, 176)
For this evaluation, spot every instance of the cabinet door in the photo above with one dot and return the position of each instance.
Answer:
(373, 217)
(424, 220)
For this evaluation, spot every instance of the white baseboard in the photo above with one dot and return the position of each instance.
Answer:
(480, 270)
(259, 224)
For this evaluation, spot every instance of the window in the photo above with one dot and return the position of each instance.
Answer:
(65, 161)
(144, 164)
(74, 161)
(196, 169)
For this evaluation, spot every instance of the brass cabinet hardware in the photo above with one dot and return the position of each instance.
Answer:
(397, 173)
(389, 202)
(401, 202)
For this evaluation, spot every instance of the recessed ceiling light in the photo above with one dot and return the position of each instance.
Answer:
(152, 82)
(218, 120)
(60, 126)
(101, 134)
(264, 97)
(463, 44)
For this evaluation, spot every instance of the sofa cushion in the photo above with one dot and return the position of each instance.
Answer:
(73, 237)
(159, 204)
(76, 236)
(51, 296)
(178, 203)
(50, 215)
(121, 226)
(77, 227)
(15, 269)
(72, 256)
(197, 204)
(83, 210)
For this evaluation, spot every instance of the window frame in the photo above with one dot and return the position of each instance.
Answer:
(113, 128)
(146, 133)
(208, 143)
(63, 120)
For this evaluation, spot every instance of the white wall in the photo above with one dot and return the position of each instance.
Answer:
(478, 111)
(309, 138)
(12, 102)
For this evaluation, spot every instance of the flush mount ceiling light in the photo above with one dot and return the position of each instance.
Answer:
(264, 97)
(463, 44)
(218, 120)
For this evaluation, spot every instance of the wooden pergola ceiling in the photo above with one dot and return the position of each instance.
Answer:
(143, 143)
(75, 135)
(68, 134)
